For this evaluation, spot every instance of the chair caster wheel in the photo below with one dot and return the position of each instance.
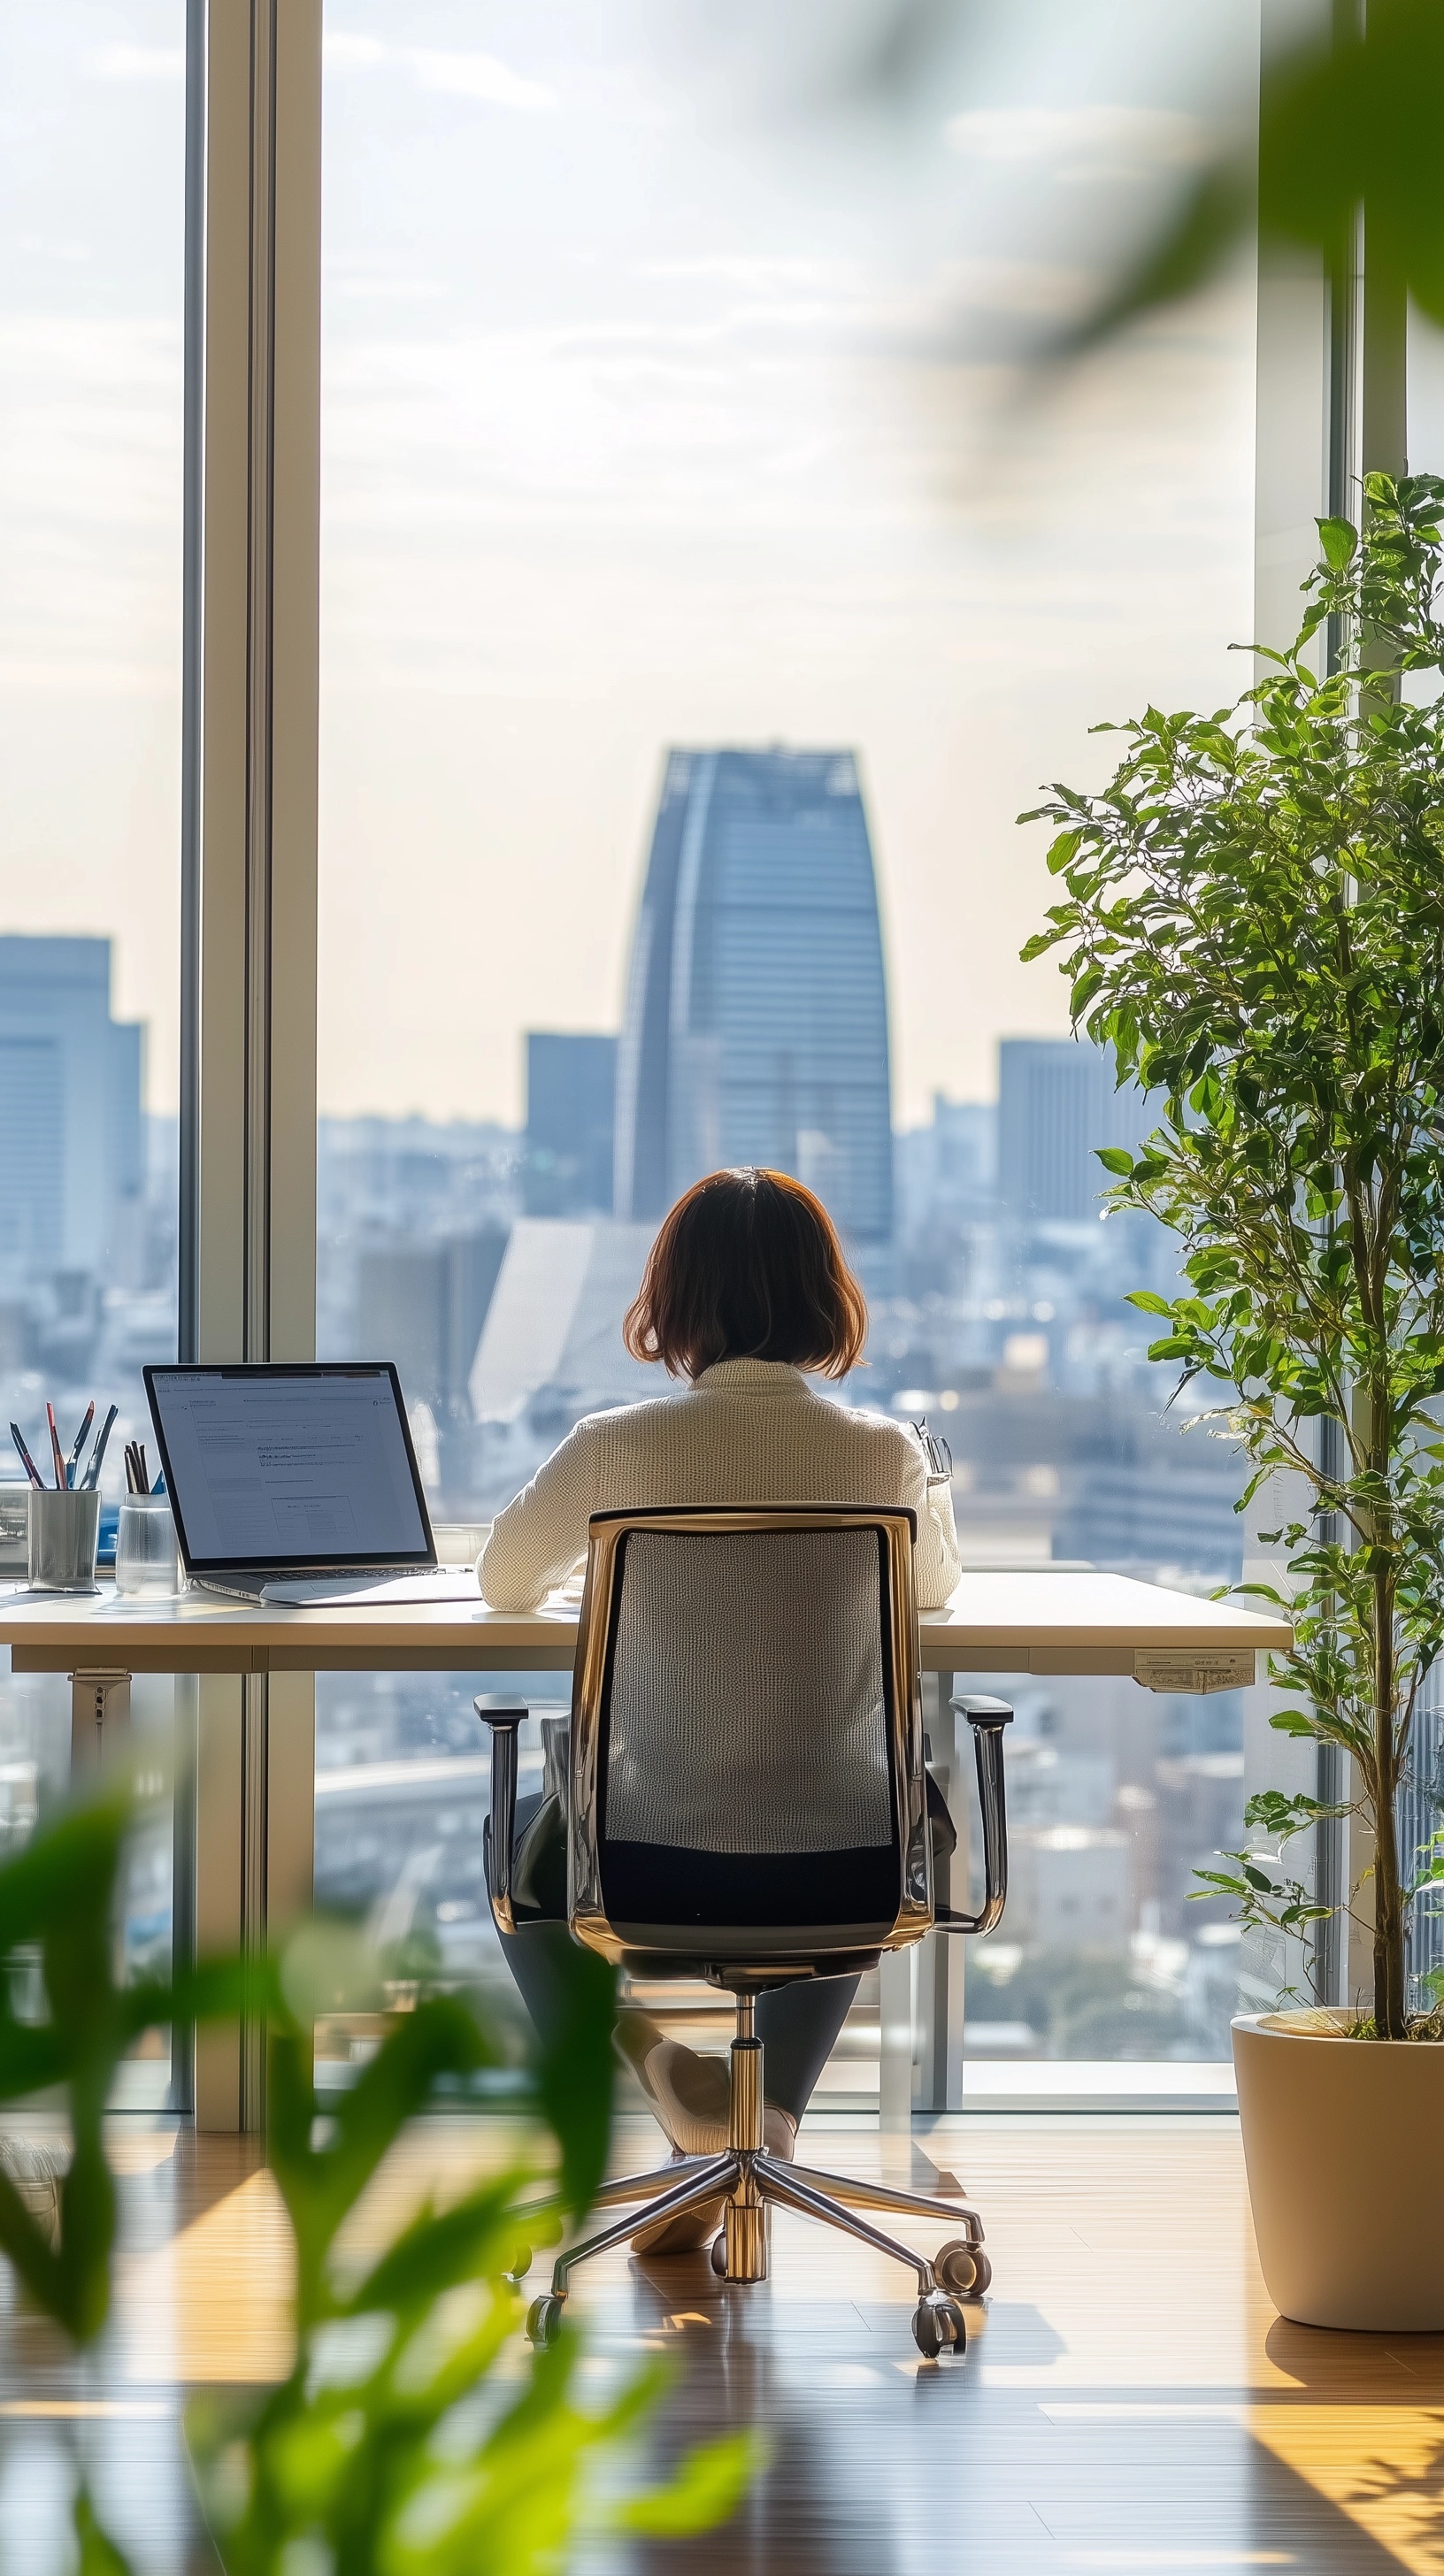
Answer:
(938, 2326)
(962, 2268)
(719, 2254)
(544, 2321)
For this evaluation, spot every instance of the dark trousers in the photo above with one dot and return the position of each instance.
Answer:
(797, 2025)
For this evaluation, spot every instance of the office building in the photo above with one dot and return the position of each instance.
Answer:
(423, 1305)
(72, 1164)
(756, 1027)
(1057, 1103)
(553, 1326)
(571, 1089)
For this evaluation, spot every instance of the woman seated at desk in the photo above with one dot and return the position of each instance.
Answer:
(745, 1295)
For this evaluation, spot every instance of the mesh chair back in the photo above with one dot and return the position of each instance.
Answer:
(746, 1710)
(744, 1731)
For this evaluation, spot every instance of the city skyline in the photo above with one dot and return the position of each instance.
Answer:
(730, 444)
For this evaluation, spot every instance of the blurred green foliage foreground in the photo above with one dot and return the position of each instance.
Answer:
(1350, 114)
(416, 2435)
(1351, 109)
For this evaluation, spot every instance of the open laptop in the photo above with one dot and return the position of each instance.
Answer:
(298, 1483)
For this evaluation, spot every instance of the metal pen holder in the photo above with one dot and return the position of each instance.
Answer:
(64, 1531)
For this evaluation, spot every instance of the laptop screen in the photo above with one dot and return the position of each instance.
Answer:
(306, 1466)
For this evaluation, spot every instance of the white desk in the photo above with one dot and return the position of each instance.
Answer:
(1035, 1621)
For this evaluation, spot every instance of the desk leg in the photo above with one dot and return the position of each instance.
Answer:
(99, 1719)
(952, 1952)
(895, 2064)
(940, 1962)
(255, 1835)
(921, 1990)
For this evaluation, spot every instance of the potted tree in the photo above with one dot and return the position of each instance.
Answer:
(1254, 922)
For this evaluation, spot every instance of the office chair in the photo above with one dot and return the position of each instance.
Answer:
(747, 1804)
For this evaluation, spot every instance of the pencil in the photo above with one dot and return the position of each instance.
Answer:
(55, 1447)
(26, 1461)
(91, 1477)
(73, 1461)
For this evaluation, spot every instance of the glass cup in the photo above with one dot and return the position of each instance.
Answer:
(63, 1533)
(146, 1558)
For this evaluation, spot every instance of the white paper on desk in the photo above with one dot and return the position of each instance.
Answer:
(347, 1591)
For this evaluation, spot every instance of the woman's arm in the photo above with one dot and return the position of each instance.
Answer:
(936, 1565)
(537, 1540)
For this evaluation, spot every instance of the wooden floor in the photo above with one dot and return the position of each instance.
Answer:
(1129, 2400)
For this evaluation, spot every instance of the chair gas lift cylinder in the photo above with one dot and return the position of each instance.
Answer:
(720, 1654)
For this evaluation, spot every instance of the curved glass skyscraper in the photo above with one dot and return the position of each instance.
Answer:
(756, 1018)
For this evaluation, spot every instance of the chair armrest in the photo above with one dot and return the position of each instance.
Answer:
(505, 1718)
(987, 1718)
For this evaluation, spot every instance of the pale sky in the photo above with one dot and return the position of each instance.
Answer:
(659, 407)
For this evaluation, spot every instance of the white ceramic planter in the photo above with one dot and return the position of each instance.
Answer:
(1344, 2143)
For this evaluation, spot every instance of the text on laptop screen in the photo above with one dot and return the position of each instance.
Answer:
(266, 1470)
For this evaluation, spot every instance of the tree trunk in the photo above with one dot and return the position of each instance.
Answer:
(1389, 2007)
(1389, 2013)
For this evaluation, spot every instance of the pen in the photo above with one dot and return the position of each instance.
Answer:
(73, 1461)
(55, 1447)
(26, 1461)
(91, 1477)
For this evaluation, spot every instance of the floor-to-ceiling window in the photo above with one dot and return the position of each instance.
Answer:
(682, 469)
(92, 101)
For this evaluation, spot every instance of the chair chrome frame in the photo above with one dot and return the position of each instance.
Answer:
(746, 1961)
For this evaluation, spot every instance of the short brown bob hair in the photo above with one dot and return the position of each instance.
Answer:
(747, 1266)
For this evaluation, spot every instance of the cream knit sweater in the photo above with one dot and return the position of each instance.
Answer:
(749, 1431)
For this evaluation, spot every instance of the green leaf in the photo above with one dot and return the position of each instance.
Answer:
(1293, 1721)
(575, 2067)
(473, 2240)
(97, 2554)
(1339, 541)
(1114, 1159)
(706, 2490)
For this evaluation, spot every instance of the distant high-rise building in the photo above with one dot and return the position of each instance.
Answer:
(423, 1305)
(571, 1093)
(756, 1019)
(72, 1165)
(1056, 1105)
(553, 1329)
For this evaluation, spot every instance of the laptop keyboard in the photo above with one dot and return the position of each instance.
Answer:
(428, 1583)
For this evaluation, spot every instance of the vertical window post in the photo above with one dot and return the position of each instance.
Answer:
(248, 1248)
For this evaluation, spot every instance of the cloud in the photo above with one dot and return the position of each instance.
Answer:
(480, 76)
(137, 63)
(1087, 143)
(757, 272)
(341, 52)
(460, 75)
